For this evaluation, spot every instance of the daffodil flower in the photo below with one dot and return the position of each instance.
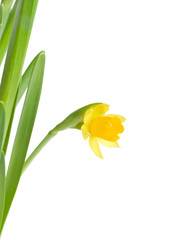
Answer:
(101, 128)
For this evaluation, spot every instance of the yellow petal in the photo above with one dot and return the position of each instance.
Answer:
(108, 143)
(93, 143)
(123, 119)
(95, 112)
(85, 132)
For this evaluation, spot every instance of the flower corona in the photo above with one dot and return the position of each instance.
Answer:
(101, 128)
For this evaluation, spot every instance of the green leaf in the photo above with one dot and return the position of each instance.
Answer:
(2, 162)
(2, 123)
(7, 3)
(24, 131)
(6, 139)
(5, 38)
(21, 89)
(1, 14)
(25, 78)
(2, 186)
(22, 26)
(5, 9)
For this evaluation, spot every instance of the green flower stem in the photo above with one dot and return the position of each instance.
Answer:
(42, 144)
(74, 120)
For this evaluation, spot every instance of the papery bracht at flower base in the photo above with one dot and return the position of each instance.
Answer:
(101, 128)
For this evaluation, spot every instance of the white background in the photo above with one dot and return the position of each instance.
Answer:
(129, 54)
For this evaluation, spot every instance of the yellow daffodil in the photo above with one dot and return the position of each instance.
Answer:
(101, 128)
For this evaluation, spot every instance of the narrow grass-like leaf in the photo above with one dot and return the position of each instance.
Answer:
(24, 131)
(2, 123)
(1, 14)
(7, 3)
(22, 26)
(2, 186)
(21, 89)
(5, 38)
(25, 78)
(5, 10)
(2, 163)
(6, 139)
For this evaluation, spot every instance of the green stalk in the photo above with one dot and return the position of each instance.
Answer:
(74, 120)
(42, 144)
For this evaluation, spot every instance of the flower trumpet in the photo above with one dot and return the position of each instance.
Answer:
(101, 128)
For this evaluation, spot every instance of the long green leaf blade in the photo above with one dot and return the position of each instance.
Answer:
(2, 123)
(25, 78)
(22, 26)
(7, 3)
(6, 138)
(1, 14)
(2, 162)
(5, 9)
(24, 131)
(5, 38)
(21, 89)
(2, 186)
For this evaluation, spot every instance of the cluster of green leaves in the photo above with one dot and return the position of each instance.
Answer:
(15, 29)
(16, 20)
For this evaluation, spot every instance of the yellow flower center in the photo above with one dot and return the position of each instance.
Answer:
(106, 128)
